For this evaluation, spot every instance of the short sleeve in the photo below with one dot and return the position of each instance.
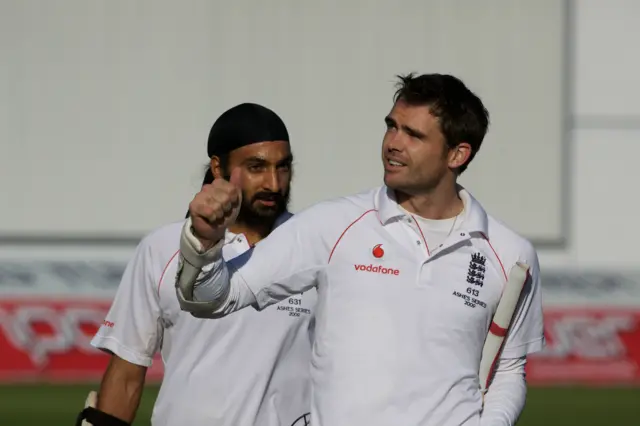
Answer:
(131, 329)
(526, 334)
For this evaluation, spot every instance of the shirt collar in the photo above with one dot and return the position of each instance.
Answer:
(474, 216)
(230, 237)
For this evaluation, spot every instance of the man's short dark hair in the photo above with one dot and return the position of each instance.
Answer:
(462, 116)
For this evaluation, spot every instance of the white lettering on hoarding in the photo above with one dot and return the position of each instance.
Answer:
(587, 337)
(65, 330)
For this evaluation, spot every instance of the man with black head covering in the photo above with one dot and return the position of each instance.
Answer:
(244, 370)
(255, 139)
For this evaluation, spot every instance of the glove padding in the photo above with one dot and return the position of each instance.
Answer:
(193, 257)
(90, 402)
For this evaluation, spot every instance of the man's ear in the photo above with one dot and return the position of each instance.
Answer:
(459, 156)
(216, 168)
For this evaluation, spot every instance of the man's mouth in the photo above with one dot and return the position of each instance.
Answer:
(268, 201)
(393, 164)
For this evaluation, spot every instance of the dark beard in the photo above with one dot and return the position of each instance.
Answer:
(253, 214)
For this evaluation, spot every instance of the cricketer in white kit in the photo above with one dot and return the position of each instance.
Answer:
(221, 372)
(248, 369)
(408, 276)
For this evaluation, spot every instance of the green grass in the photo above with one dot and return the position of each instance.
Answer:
(581, 407)
(30, 405)
(51, 405)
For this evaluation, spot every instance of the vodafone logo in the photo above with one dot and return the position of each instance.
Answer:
(377, 269)
(378, 253)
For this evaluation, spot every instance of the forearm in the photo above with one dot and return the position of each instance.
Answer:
(121, 389)
(214, 284)
(204, 283)
(505, 398)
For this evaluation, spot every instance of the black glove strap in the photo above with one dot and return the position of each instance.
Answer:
(99, 418)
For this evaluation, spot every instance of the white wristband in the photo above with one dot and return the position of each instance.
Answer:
(192, 250)
(193, 258)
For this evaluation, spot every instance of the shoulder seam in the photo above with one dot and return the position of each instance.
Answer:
(164, 270)
(347, 229)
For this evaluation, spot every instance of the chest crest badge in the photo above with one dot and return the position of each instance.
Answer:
(477, 269)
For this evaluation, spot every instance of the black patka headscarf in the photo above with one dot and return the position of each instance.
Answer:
(242, 125)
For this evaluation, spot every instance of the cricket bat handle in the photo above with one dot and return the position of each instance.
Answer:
(502, 319)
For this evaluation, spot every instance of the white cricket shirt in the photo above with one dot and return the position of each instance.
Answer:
(251, 368)
(400, 322)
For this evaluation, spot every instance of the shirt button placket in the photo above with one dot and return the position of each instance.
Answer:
(424, 275)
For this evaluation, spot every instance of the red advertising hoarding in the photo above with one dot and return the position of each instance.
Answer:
(595, 346)
(48, 340)
(50, 310)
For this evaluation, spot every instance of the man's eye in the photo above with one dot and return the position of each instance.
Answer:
(255, 168)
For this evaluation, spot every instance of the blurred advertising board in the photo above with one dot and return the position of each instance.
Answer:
(49, 310)
(592, 329)
(594, 346)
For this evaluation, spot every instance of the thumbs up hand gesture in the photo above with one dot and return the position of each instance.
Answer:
(215, 208)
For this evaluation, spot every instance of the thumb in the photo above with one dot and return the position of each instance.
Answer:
(236, 177)
(236, 180)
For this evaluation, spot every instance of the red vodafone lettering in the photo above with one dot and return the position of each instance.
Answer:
(377, 269)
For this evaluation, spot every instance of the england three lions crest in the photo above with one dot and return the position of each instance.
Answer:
(477, 268)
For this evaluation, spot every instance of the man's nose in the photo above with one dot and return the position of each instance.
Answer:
(271, 181)
(395, 142)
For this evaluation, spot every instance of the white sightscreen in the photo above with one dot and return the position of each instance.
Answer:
(105, 106)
